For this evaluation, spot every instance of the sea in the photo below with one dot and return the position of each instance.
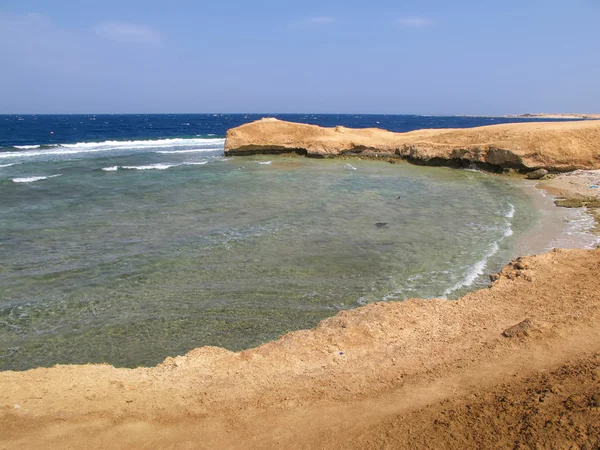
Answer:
(125, 239)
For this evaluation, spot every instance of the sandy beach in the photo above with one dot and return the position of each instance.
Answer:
(515, 365)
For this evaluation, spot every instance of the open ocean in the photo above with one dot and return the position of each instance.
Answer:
(129, 238)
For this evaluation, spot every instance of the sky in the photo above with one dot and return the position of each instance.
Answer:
(327, 56)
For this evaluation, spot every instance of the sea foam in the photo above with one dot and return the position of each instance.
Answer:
(511, 211)
(474, 271)
(206, 145)
(158, 166)
(33, 179)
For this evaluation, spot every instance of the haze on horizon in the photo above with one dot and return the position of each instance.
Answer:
(394, 57)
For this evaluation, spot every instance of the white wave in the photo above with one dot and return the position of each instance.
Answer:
(475, 271)
(159, 166)
(7, 165)
(195, 150)
(32, 179)
(350, 166)
(264, 162)
(175, 142)
(511, 212)
(508, 232)
(108, 146)
(26, 147)
(110, 169)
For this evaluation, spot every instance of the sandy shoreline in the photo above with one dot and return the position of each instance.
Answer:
(417, 374)
(359, 380)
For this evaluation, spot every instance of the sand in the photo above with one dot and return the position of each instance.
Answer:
(516, 365)
(580, 188)
(577, 184)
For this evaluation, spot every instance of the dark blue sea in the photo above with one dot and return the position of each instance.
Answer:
(28, 130)
(125, 239)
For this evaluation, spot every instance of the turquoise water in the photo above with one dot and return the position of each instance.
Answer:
(129, 266)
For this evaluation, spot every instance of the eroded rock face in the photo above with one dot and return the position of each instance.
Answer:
(556, 146)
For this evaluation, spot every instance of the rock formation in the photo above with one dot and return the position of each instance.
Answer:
(554, 146)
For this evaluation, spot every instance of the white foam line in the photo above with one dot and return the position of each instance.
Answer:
(7, 165)
(158, 166)
(26, 147)
(107, 146)
(146, 143)
(478, 268)
(474, 271)
(264, 162)
(511, 212)
(32, 179)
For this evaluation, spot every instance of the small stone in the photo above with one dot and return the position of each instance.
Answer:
(520, 329)
(537, 174)
(520, 265)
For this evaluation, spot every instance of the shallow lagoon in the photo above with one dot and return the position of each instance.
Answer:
(130, 266)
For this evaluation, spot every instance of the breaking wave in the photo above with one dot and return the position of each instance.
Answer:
(158, 166)
(33, 179)
(173, 145)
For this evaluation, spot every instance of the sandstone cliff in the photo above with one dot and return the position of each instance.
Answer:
(556, 146)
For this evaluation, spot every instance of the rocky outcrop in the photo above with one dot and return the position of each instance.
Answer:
(554, 146)
(537, 174)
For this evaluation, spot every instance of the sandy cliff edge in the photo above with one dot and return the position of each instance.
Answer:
(556, 146)
(361, 379)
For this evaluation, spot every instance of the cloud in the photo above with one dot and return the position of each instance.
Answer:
(129, 33)
(415, 22)
(321, 20)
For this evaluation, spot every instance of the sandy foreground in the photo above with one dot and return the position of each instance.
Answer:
(516, 365)
(417, 374)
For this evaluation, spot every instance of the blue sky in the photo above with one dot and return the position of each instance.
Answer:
(346, 56)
